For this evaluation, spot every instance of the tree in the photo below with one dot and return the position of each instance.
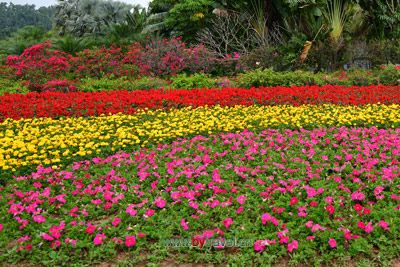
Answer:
(188, 17)
(14, 17)
(89, 17)
(383, 17)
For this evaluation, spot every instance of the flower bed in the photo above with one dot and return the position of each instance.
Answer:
(314, 194)
(55, 105)
(27, 143)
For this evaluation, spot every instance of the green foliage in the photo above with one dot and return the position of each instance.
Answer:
(389, 74)
(269, 77)
(129, 30)
(263, 57)
(22, 39)
(189, 16)
(384, 51)
(12, 87)
(72, 45)
(198, 80)
(384, 17)
(123, 83)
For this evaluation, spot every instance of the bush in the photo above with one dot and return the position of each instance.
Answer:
(59, 86)
(269, 77)
(123, 83)
(169, 57)
(198, 80)
(39, 64)
(389, 74)
(12, 87)
(384, 52)
(147, 83)
(263, 57)
(101, 62)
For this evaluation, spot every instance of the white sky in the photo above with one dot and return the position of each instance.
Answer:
(39, 3)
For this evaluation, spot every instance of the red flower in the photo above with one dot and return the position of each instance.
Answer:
(293, 201)
(330, 209)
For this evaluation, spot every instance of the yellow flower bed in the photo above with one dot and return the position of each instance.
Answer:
(56, 142)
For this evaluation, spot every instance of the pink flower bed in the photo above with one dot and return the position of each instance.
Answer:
(299, 192)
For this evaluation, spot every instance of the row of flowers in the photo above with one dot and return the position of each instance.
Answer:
(27, 143)
(55, 105)
(304, 192)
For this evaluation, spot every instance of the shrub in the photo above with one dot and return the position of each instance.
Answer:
(12, 87)
(198, 80)
(59, 86)
(147, 83)
(39, 64)
(102, 62)
(169, 57)
(389, 74)
(263, 57)
(122, 83)
(269, 77)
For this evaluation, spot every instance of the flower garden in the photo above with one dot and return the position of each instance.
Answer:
(261, 168)
(308, 174)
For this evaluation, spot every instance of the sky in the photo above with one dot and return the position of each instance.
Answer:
(39, 3)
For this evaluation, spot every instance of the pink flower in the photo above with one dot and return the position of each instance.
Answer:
(193, 205)
(39, 218)
(378, 190)
(369, 227)
(284, 240)
(55, 244)
(116, 221)
(227, 222)
(149, 212)
(184, 225)
(98, 239)
(332, 243)
(266, 217)
(1, 227)
(259, 245)
(310, 237)
(160, 202)
(384, 225)
(293, 246)
(130, 210)
(240, 210)
(309, 224)
(241, 199)
(329, 200)
(130, 241)
(357, 196)
(47, 237)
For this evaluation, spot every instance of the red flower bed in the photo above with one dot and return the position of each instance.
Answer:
(56, 104)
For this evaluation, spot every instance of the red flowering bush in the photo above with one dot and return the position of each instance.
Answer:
(38, 64)
(163, 57)
(59, 86)
(95, 103)
(101, 62)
